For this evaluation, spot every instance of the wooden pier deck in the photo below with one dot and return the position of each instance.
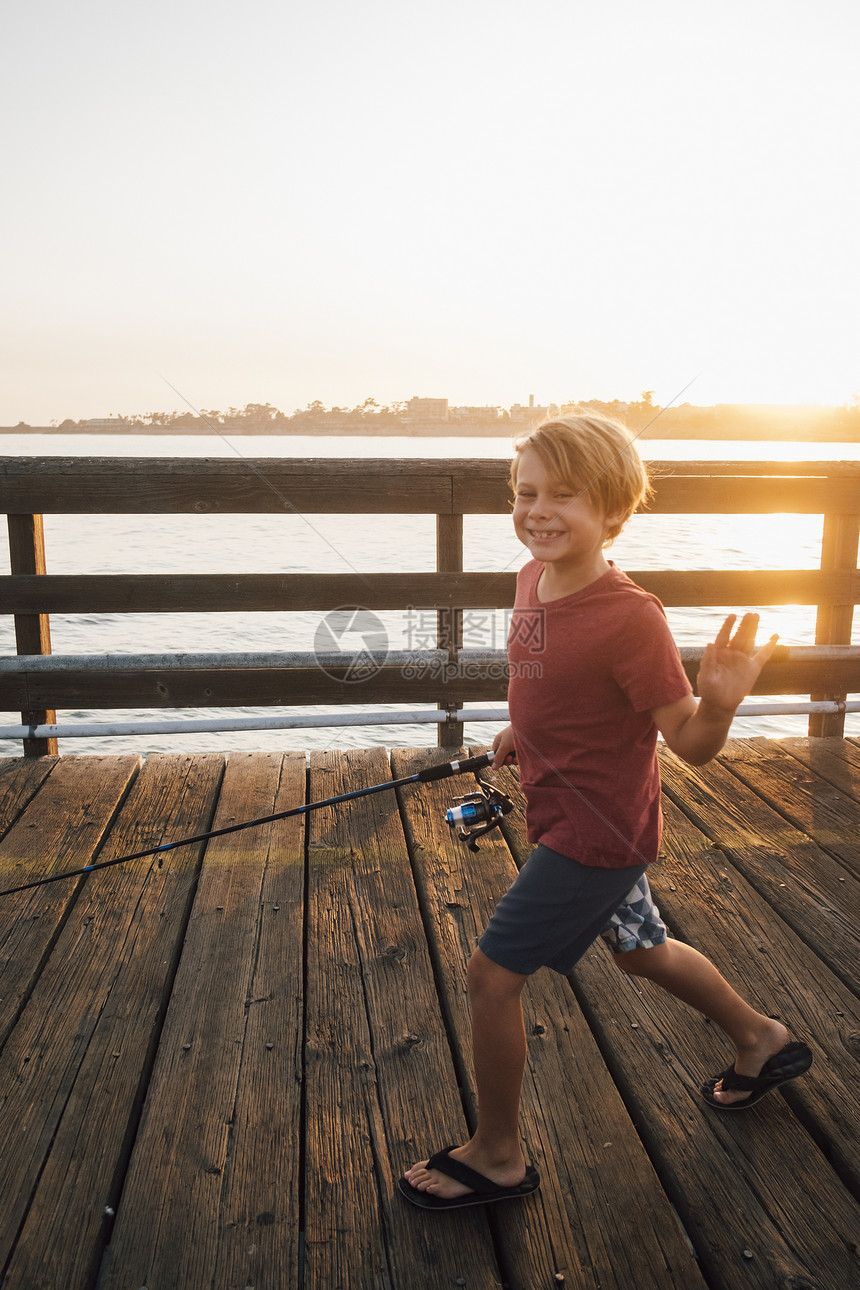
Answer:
(214, 1069)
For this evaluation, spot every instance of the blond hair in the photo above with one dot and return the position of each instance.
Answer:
(591, 454)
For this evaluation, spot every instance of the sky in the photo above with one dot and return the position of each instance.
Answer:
(283, 201)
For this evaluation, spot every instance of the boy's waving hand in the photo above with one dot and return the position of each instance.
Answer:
(729, 669)
(731, 665)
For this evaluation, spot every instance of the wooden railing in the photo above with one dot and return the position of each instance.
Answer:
(449, 489)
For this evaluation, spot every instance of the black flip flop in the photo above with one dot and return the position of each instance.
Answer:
(788, 1063)
(484, 1192)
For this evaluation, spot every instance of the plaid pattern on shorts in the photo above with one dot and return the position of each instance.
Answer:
(636, 923)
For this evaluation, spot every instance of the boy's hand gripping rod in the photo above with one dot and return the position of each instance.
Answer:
(443, 771)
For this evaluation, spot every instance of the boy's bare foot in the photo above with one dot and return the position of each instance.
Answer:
(504, 1173)
(750, 1058)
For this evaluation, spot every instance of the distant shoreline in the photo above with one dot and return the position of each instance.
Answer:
(449, 430)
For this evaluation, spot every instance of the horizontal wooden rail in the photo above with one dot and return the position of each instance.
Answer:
(463, 681)
(253, 592)
(297, 592)
(110, 486)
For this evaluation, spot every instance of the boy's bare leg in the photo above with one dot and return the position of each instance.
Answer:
(693, 979)
(499, 1056)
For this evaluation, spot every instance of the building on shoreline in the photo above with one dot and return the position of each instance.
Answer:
(427, 410)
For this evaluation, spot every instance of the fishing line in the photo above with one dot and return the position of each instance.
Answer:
(425, 776)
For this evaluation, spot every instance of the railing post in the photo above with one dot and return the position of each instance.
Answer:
(32, 631)
(449, 622)
(834, 623)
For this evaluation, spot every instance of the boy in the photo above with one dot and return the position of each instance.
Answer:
(584, 733)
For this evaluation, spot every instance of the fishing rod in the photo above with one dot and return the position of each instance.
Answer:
(473, 819)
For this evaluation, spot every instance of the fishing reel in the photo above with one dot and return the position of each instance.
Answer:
(477, 813)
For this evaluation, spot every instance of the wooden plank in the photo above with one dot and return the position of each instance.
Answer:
(739, 587)
(174, 485)
(771, 1192)
(825, 469)
(833, 759)
(299, 592)
(78, 1060)
(20, 780)
(760, 1201)
(14, 693)
(231, 687)
(812, 804)
(834, 621)
(377, 1057)
(784, 674)
(259, 592)
(808, 888)
(449, 621)
(709, 904)
(27, 559)
(601, 1218)
(788, 672)
(162, 485)
(32, 630)
(259, 1238)
(482, 488)
(711, 495)
(219, 1129)
(61, 828)
(300, 686)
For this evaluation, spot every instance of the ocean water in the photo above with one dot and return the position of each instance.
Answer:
(294, 543)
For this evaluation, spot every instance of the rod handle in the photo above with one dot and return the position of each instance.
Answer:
(449, 768)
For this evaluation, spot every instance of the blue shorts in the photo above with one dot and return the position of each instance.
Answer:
(556, 907)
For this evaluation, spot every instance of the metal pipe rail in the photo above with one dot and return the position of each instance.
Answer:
(199, 725)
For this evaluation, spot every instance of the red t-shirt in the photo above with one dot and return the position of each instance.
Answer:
(585, 672)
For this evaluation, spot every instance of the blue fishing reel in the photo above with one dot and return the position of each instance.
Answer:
(477, 813)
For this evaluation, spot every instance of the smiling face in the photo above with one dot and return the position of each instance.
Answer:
(560, 525)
